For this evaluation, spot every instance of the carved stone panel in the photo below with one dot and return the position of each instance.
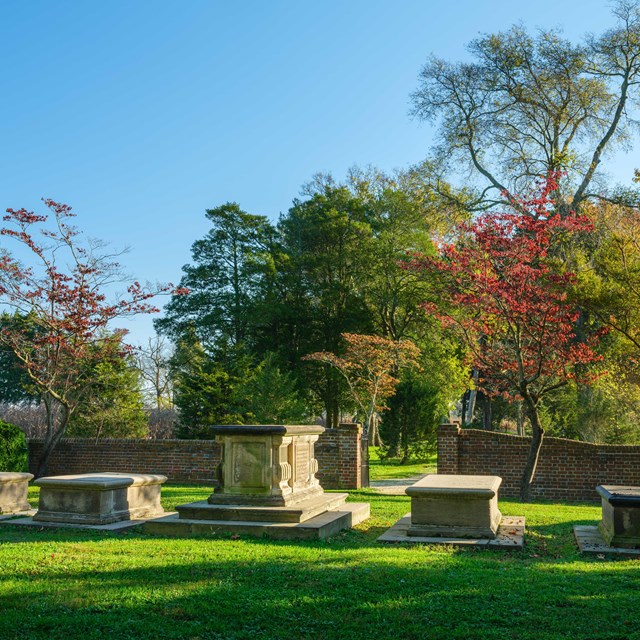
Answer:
(302, 464)
(248, 459)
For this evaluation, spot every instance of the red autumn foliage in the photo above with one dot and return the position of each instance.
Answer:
(61, 327)
(503, 289)
(370, 365)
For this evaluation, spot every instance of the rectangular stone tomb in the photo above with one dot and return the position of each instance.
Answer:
(267, 486)
(99, 498)
(267, 464)
(14, 488)
(455, 506)
(620, 524)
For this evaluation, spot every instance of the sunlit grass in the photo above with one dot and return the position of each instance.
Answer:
(57, 584)
(391, 469)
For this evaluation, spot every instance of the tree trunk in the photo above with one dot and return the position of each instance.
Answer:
(528, 474)
(373, 432)
(49, 447)
(486, 412)
(520, 418)
(51, 442)
(463, 420)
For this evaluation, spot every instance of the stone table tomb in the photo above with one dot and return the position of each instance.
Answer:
(458, 510)
(455, 506)
(99, 498)
(14, 488)
(620, 524)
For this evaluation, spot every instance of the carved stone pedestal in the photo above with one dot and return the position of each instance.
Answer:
(267, 487)
(267, 465)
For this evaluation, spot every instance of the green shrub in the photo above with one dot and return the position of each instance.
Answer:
(13, 448)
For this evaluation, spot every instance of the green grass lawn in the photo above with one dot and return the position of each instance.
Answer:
(77, 584)
(392, 469)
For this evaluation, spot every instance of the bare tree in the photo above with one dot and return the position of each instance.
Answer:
(532, 105)
(152, 361)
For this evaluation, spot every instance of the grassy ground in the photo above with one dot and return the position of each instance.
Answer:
(392, 469)
(73, 584)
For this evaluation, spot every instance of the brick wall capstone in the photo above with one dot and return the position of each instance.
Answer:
(567, 469)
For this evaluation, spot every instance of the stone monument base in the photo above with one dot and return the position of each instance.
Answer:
(99, 498)
(299, 512)
(316, 518)
(14, 488)
(510, 535)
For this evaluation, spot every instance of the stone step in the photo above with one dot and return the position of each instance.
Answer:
(316, 528)
(300, 512)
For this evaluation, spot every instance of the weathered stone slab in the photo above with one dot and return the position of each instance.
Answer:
(455, 506)
(319, 527)
(299, 512)
(591, 542)
(510, 535)
(114, 527)
(99, 498)
(620, 524)
(14, 489)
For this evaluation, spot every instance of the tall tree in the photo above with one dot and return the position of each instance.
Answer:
(268, 395)
(204, 391)
(61, 291)
(503, 291)
(529, 105)
(231, 272)
(326, 240)
(114, 408)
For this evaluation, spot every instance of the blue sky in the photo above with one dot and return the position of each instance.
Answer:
(143, 114)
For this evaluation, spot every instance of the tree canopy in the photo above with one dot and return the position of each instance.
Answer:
(526, 105)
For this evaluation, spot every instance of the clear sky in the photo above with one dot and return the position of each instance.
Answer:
(143, 114)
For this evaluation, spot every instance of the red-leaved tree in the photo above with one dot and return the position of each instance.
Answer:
(503, 289)
(370, 365)
(60, 329)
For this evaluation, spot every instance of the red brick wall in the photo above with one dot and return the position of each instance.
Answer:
(567, 469)
(337, 452)
(338, 455)
(180, 460)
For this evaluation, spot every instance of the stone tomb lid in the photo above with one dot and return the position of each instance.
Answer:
(267, 429)
(101, 480)
(619, 495)
(14, 476)
(444, 484)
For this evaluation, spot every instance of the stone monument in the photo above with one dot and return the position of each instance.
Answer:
(620, 524)
(14, 488)
(99, 498)
(459, 510)
(267, 486)
(455, 506)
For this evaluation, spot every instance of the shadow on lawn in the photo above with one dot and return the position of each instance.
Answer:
(230, 593)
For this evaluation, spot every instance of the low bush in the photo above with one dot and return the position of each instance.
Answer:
(13, 448)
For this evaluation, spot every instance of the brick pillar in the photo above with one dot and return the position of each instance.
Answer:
(350, 455)
(448, 438)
